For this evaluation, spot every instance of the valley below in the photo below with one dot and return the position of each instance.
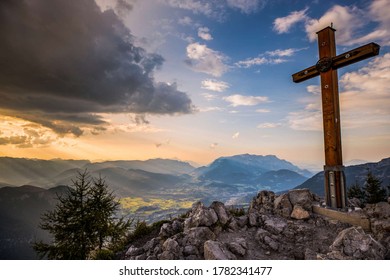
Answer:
(150, 191)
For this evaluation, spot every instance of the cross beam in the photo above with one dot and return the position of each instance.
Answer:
(326, 68)
(339, 61)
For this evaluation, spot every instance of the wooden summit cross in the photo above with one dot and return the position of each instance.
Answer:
(326, 67)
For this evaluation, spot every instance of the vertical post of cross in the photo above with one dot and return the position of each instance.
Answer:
(335, 189)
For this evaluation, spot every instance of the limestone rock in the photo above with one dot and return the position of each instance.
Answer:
(283, 206)
(261, 234)
(253, 219)
(302, 197)
(299, 213)
(275, 225)
(201, 216)
(263, 202)
(381, 228)
(271, 243)
(242, 221)
(214, 250)
(222, 214)
(238, 247)
(379, 210)
(134, 251)
(354, 243)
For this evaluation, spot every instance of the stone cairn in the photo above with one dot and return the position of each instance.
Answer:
(274, 227)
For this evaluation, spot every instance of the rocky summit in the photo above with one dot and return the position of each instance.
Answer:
(274, 227)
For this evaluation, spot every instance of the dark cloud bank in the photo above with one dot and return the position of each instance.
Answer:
(62, 62)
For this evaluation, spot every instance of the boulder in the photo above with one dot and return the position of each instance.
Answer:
(275, 225)
(253, 218)
(299, 213)
(354, 243)
(200, 216)
(222, 214)
(302, 197)
(261, 234)
(214, 250)
(380, 228)
(379, 210)
(238, 246)
(283, 206)
(263, 202)
(134, 251)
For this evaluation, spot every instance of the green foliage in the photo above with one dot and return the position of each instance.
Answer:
(355, 191)
(237, 212)
(373, 190)
(142, 229)
(82, 221)
(104, 254)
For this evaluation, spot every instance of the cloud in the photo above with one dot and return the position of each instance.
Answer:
(268, 58)
(366, 95)
(66, 62)
(269, 125)
(314, 89)
(346, 19)
(215, 85)
(364, 99)
(243, 100)
(285, 52)
(204, 33)
(186, 21)
(247, 6)
(236, 135)
(207, 8)
(209, 96)
(211, 109)
(200, 58)
(167, 142)
(263, 111)
(23, 134)
(284, 24)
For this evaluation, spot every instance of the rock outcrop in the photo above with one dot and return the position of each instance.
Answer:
(274, 227)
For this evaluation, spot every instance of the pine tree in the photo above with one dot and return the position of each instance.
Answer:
(355, 191)
(82, 221)
(373, 190)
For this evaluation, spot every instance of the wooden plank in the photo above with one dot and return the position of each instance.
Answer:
(305, 74)
(339, 61)
(355, 55)
(352, 218)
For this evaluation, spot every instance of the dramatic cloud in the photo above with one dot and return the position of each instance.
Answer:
(247, 6)
(269, 57)
(22, 134)
(205, 60)
(284, 24)
(204, 33)
(243, 100)
(66, 62)
(215, 85)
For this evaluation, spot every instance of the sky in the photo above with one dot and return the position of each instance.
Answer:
(191, 80)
